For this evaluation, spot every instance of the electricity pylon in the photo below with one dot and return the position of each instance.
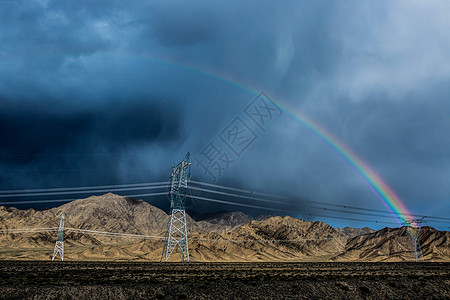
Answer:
(176, 234)
(59, 246)
(413, 228)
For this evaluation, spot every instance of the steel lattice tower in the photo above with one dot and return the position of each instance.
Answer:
(413, 228)
(59, 246)
(176, 234)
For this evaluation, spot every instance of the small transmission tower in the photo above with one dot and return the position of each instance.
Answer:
(176, 234)
(59, 246)
(413, 228)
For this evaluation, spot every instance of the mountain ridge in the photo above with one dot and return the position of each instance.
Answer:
(220, 236)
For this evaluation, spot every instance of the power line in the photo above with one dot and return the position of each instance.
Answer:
(289, 211)
(222, 202)
(237, 190)
(387, 214)
(152, 186)
(114, 233)
(83, 192)
(200, 198)
(79, 190)
(315, 202)
(277, 202)
(132, 235)
(352, 219)
(148, 195)
(237, 195)
(431, 221)
(157, 185)
(349, 212)
(237, 204)
(12, 230)
(137, 186)
(73, 199)
(283, 240)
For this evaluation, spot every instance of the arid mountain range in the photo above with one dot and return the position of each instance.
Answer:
(221, 236)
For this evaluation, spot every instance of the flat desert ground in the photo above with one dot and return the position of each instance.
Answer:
(271, 280)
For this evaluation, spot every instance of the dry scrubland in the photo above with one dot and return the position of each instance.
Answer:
(138, 280)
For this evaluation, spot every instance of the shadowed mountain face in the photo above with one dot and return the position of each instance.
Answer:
(349, 231)
(229, 219)
(221, 236)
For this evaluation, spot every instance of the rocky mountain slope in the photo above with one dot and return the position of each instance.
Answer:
(225, 219)
(222, 236)
(350, 231)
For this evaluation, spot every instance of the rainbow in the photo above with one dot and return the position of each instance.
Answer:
(382, 191)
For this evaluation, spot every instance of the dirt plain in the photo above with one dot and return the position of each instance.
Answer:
(271, 280)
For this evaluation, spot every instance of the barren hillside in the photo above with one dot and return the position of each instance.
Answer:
(214, 237)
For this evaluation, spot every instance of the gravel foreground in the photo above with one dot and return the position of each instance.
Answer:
(272, 280)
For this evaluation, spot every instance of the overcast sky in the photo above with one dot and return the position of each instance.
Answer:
(116, 92)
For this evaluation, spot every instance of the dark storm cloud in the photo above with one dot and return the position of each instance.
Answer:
(83, 77)
(42, 140)
(34, 130)
(31, 29)
(175, 29)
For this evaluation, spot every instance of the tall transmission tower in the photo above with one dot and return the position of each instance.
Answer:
(176, 234)
(59, 246)
(413, 227)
